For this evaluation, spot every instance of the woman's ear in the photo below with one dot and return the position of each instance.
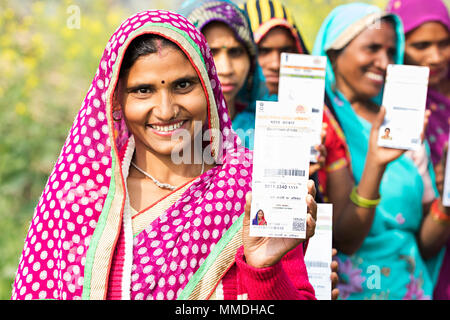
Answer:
(333, 55)
(117, 97)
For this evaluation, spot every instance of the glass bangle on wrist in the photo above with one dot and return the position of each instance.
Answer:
(363, 202)
(437, 215)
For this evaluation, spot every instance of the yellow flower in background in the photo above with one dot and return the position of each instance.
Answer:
(8, 14)
(97, 51)
(27, 21)
(31, 82)
(67, 33)
(38, 8)
(30, 63)
(95, 27)
(20, 108)
(39, 45)
(113, 18)
(74, 50)
(9, 55)
(5, 41)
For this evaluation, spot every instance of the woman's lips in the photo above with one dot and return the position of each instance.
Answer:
(272, 78)
(166, 129)
(438, 72)
(375, 77)
(228, 87)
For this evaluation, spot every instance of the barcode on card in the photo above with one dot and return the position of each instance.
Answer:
(284, 172)
(316, 264)
(298, 224)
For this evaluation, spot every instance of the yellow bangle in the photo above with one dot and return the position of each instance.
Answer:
(363, 202)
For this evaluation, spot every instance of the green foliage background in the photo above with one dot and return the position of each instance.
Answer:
(46, 69)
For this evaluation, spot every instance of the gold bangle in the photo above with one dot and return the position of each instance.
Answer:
(363, 202)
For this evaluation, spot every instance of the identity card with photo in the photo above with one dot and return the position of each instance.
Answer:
(318, 255)
(404, 97)
(302, 82)
(280, 171)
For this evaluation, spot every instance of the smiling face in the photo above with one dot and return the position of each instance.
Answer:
(277, 40)
(360, 68)
(230, 57)
(429, 46)
(160, 95)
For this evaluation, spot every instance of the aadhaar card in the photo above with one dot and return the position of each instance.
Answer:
(446, 192)
(318, 254)
(405, 96)
(280, 171)
(302, 82)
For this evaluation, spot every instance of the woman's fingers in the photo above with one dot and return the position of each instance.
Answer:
(247, 207)
(310, 226)
(311, 188)
(425, 124)
(379, 119)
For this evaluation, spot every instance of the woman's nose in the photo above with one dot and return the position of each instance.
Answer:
(435, 55)
(274, 60)
(164, 107)
(383, 60)
(223, 64)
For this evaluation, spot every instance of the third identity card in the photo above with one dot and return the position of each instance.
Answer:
(405, 95)
(302, 82)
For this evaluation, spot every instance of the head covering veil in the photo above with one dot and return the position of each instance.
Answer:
(267, 14)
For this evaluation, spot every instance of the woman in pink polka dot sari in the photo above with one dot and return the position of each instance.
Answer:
(103, 230)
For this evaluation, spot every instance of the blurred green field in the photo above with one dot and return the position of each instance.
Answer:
(49, 53)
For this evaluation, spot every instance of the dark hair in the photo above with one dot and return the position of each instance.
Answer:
(141, 46)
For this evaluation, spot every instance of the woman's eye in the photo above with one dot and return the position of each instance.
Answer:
(236, 52)
(392, 53)
(421, 45)
(263, 51)
(214, 51)
(143, 90)
(444, 44)
(184, 85)
(374, 48)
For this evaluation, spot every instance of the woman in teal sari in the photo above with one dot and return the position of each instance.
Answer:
(397, 256)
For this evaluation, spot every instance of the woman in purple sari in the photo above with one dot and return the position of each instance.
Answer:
(427, 43)
(149, 198)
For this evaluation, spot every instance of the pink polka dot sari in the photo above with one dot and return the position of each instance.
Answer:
(84, 207)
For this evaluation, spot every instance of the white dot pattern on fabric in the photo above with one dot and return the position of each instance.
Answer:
(187, 247)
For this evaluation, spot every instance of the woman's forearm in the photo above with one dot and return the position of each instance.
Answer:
(353, 223)
(433, 234)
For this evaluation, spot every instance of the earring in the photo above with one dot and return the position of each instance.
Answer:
(115, 118)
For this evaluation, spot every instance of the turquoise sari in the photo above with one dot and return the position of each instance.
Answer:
(388, 265)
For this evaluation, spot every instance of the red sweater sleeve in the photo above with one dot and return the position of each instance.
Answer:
(286, 280)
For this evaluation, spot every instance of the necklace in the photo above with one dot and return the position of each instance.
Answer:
(158, 183)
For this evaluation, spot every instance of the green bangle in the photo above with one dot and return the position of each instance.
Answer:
(363, 202)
